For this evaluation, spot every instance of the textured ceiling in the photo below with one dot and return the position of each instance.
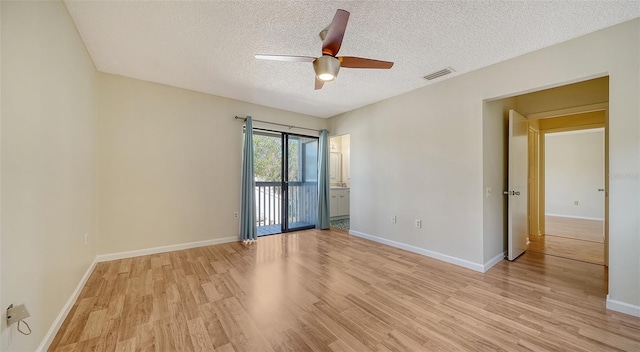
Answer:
(208, 46)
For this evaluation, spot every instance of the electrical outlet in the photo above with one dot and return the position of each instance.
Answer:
(394, 219)
(235, 215)
(86, 238)
(418, 223)
(17, 313)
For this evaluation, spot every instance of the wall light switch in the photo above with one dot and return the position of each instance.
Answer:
(488, 192)
(394, 219)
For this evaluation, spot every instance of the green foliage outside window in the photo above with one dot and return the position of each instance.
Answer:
(267, 156)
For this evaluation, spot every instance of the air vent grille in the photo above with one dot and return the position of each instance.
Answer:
(439, 74)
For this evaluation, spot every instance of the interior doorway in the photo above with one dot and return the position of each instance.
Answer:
(571, 200)
(340, 182)
(576, 106)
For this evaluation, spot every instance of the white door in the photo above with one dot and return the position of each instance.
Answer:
(518, 232)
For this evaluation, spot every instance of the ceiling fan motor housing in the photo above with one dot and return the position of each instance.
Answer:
(326, 67)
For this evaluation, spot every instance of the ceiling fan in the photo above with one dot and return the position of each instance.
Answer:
(328, 65)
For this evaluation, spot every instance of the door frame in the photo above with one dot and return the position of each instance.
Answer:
(534, 180)
(579, 110)
(284, 221)
(284, 182)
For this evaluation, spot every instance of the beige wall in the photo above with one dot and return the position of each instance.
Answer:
(583, 93)
(157, 165)
(169, 163)
(420, 155)
(47, 143)
(163, 162)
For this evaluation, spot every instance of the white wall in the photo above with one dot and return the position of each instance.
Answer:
(342, 145)
(574, 171)
(346, 158)
(47, 143)
(169, 163)
(429, 164)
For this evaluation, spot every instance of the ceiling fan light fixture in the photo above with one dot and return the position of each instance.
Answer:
(326, 67)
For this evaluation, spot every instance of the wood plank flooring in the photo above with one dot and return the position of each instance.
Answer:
(580, 229)
(328, 291)
(586, 251)
(571, 238)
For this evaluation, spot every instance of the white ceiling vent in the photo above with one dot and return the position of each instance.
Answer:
(438, 74)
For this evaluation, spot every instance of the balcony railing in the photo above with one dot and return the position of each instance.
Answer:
(302, 205)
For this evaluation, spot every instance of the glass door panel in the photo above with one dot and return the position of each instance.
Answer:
(302, 182)
(286, 173)
(267, 166)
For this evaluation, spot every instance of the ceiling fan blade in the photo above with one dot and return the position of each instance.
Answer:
(333, 40)
(319, 83)
(360, 62)
(285, 58)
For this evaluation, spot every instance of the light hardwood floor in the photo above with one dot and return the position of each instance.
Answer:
(586, 251)
(328, 291)
(579, 229)
(571, 238)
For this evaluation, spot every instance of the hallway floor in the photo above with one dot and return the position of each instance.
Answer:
(584, 251)
(571, 238)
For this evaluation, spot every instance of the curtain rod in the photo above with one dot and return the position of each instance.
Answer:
(279, 124)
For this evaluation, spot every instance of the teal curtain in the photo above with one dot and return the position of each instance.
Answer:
(323, 181)
(248, 229)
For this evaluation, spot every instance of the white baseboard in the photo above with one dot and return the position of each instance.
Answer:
(493, 261)
(57, 323)
(445, 258)
(575, 217)
(163, 249)
(622, 307)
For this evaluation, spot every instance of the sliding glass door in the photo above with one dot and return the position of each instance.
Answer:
(301, 182)
(286, 181)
